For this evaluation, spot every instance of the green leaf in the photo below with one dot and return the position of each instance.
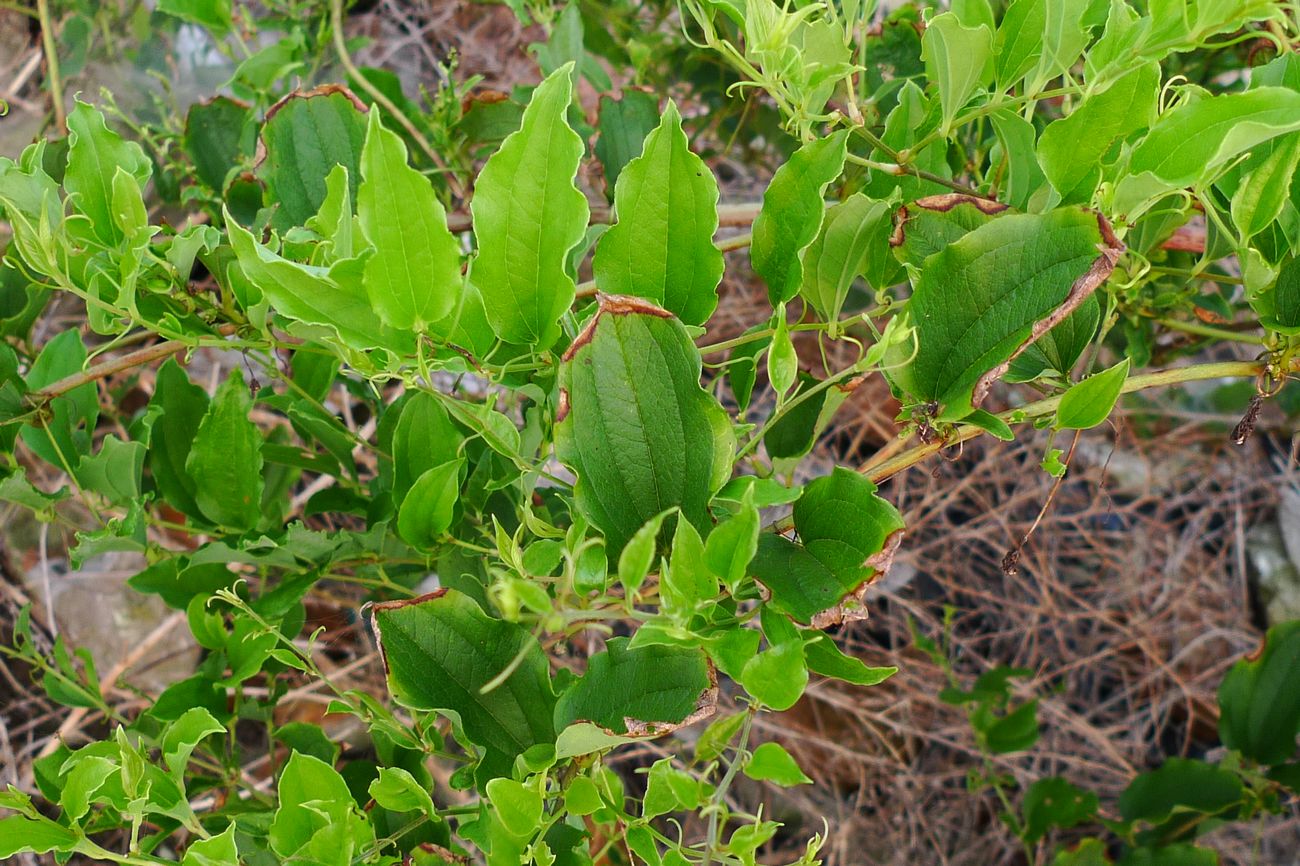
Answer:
(1180, 784)
(731, 545)
(86, 776)
(776, 677)
(582, 797)
(782, 361)
(518, 806)
(638, 555)
(1014, 732)
(1024, 175)
(114, 472)
(1054, 802)
(424, 437)
(218, 136)
(687, 583)
(1259, 699)
(634, 424)
(414, 278)
(1170, 855)
(1192, 142)
(661, 248)
(815, 581)
(1073, 149)
(1060, 348)
(792, 214)
(772, 763)
(303, 137)
(1090, 401)
(982, 300)
(317, 819)
(1279, 308)
(957, 59)
(183, 735)
(528, 215)
(1264, 191)
(397, 791)
(219, 850)
(428, 510)
(225, 460)
(931, 224)
(440, 652)
(183, 405)
(642, 691)
(212, 14)
(584, 738)
(39, 835)
(824, 657)
(669, 790)
(94, 153)
(1019, 42)
(856, 230)
(624, 123)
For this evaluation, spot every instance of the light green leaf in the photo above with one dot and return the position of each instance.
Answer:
(662, 248)
(957, 60)
(1265, 189)
(855, 230)
(731, 545)
(782, 362)
(518, 806)
(183, 405)
(225, 461)
(414, 278)
(1024, 176)
(114, 472)
(86, 776)
(397, 791)
(642, 691)
(638, 555)
(94, 153)
(815, 581)
(219, 850)
(1279, 307)
(979, 302)
(317, 820)
(824, 657)
(212, 14)
(528, 215)
(583, 738)
(441, 650)
(40, 835)
(776, 677)
(686, 583)
(1191, 143)
(1063, 39)
(1019, 42)
(634, 423)
(770, 762)
(183, 735)
(792, 214)
(1073, 148)
(424, 437)
(304, 136)
(582, 797)
(1090, 401)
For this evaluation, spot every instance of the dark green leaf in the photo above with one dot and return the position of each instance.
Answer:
(1259, 699)
(217, 138)
(1180, 784)
(624, 123)
(225, 460)
(1054, 802)
(647, 690)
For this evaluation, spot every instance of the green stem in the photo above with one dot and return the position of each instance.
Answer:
(902, 170)
(719, 795)
(1197, 275)
(1214, 333)
(52, 64)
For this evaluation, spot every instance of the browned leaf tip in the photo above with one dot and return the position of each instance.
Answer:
(372, 608)
(852, 607)
(614, 305)
(319, 90)
(941, 204)
(1110, 250)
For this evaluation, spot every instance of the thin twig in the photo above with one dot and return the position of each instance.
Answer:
(52, 64)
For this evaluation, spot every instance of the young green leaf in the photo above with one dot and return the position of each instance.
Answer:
(225, 460)
(1265, 189)
(528, 215)
(441, 650)
(413, 279)
(634, 423)
(782, 362)
(731, 545)
(428, 509)
(958, 59)
(1090, 401)
(825, 658)
(518, 806)
(218, 850)
(856, 230)
(770, 762)
(777, 676)
(95, 152)
(662, 248)
(424, 437)
(398, 791)
(317, 819)
(638, 555)
(792, 214)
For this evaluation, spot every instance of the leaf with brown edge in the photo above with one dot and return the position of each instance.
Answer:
(930, 224)
(634, 424)
(981, 301)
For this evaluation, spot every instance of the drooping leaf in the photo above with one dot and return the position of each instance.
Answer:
(303, 137)
(62, 436)
(979, 302)
(1072, 149)
(225, 459)
(826, 659)
(528, 215)
(38, 835)
(1023, 177)
(218, 136)
(634, 423)
(816, 580)
(1259, 699)
(958, 59)
(640, 691)
(1190, 143)
(624, 123)
(662, 248)
(413, 279)
(792, 214)
(95, 152)
(440, 650)
(855, 230)
(1180, 784)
